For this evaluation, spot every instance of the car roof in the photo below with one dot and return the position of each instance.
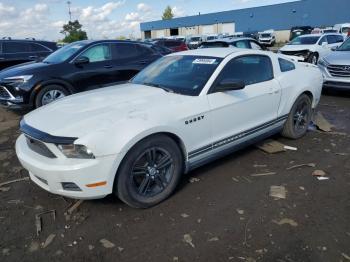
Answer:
(319, 35)
(211, 52)
(230, 40)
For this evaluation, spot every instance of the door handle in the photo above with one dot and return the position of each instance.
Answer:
(33, 57)
(1, 58)
(142, 62)
(108, 66)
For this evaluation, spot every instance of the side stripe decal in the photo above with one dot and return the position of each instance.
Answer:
(233, 138)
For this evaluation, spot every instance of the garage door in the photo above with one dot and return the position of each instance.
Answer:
(207, 29)
(228, 28)
(160, 33)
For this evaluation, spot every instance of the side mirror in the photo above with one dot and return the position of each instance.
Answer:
(324, 44)
(334, 48)
(229, 85)
(82, 60)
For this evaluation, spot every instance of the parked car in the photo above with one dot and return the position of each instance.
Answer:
(336, 67)
(240, 42)
(343, 29)
(173, 44)
(212, 37)
(181, 112)
(267, 38)
(251, 34)
(299, 31)
(18, 51)
(195, 41)
(309, 48)
(76, 67)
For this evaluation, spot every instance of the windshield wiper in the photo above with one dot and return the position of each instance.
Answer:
(159, 86)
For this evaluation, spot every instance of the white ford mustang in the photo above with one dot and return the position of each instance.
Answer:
(136, 140)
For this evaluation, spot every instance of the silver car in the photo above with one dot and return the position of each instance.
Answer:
(336, 67)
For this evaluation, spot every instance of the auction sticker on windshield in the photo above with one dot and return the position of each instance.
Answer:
(204, 61)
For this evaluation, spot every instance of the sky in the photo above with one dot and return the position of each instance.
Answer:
(43, 19)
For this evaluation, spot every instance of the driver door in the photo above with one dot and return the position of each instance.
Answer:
(250, 110)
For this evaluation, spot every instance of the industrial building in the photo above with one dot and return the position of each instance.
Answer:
(280, 17)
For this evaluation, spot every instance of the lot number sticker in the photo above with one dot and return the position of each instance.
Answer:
(204, 61)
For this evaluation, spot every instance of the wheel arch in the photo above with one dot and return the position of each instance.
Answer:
(172, 135)
(41, 85)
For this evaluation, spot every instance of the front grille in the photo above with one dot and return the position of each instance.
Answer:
(303, 53)
(39, 147)
(4, 94)
(339, 70)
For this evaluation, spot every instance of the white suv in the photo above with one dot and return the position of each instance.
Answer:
(336, 67)
(184, 110)
(310, 48)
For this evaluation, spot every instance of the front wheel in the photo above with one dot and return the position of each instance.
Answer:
(50, 93)
(299, 118)
(313, 59)
(150, 172)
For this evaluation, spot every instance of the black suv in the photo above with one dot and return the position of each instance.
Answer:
(14, 52)
(76, 67)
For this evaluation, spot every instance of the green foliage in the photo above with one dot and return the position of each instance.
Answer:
(168, 13)
(73, 32)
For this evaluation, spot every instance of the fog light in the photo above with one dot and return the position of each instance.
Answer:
(69, 186)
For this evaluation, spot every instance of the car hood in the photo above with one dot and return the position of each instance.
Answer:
(338, 58)
(22, 69)
(296, 47)
(101, 109)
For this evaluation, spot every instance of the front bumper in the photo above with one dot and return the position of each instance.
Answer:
(52, 174)
(331, 82)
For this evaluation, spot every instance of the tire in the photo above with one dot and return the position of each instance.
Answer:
(299, 118)
(313, 59)
(140, 182)
(49, 94)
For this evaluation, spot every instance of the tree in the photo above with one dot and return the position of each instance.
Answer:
(73, 32)
(168, 13)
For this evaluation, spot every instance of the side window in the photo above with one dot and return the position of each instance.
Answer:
(340, 38)
(250, 69)
(38, 48)
(286, 65)
(242, 44)
(15, 47)
(124, 51)
(323, 40)
(98, 53)
(255, 46)
(144, 50)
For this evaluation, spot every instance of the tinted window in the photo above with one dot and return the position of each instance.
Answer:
(98, 53)
(242, 44)
(213, 44)
(38, 48)
(15, 47)
(286, 65)
(125, 50)
(305, 40)
(186, 75)
(249, 69)
(144, 50)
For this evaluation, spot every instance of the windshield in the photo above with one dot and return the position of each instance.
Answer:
(211, 37)
(265, 35)
(345, 30)
(309, 40)
(345, 46)
(64, 53)
(186, 75)
(196, 39)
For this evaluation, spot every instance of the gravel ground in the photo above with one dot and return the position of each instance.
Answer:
(220, 212)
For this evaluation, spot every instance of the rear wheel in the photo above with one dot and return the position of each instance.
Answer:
(150, 172)
(50, 93)
(299, 118)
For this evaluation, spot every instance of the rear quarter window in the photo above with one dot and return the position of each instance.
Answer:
(286, 65)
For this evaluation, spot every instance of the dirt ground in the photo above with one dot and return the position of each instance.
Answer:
(220, 212)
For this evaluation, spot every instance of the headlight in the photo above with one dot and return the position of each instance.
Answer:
(17, 80)
(76, 151)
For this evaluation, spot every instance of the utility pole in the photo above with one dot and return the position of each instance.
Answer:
(69, 11)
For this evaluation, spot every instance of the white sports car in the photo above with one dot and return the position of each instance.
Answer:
(136, 140)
